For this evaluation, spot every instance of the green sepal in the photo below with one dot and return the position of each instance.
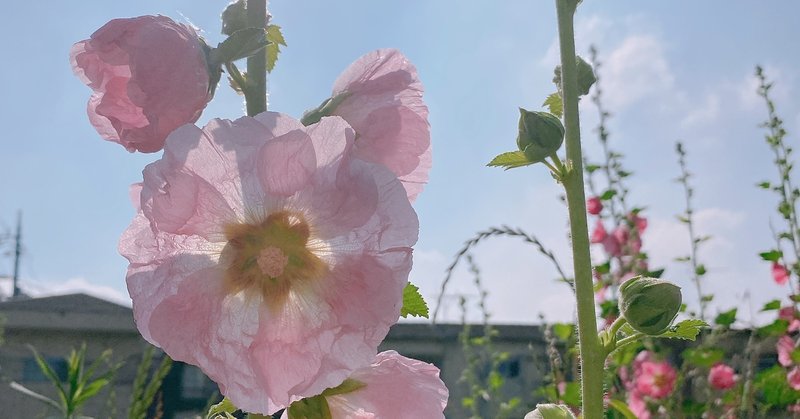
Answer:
(348, 386)
(326, 108)
(240, 44)
(310, 408)
(222, 408)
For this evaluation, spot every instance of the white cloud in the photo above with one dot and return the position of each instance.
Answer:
(705, 115)
(635, 70)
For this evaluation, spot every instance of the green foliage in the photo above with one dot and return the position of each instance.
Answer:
(564, 331)
(686, 330)
(510, 160)
(726, 318)
(276, 40)
(771, 256)
(622, 408)
(649, 304)
(413, 303)
(144, 392)
(81, 384)
(774, 389)
(554, 104)
(776, 328)
(234, 17)
(550, 411)
(310, 408)
(225, 409)
(772, 305)
(703, 357)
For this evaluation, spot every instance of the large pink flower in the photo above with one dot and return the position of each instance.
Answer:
(655, 379)
(393, 386)
(380, 96)
(785, 347)
(266, 255)
(149, 76)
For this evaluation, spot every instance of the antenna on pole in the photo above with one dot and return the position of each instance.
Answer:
(17, 254)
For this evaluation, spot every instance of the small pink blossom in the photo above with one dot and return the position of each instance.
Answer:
(612, 245)
(655, 379)
(639, 222)
(393, 387)
(599, 232)
(793, 377)
(638, 405)
(149, 76)
(721, 377)
(269, 257)
(789, 314)
(779, 273)
(380, 96)
(594, 205)
(785, 347)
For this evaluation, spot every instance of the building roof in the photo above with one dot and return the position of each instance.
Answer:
(67, 312)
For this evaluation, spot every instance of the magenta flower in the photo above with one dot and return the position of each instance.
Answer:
(779, 273)
(594, 205)
(380, 96)
(393, 386)
(267, 256)
(638, 405)
(722, 377)
(785, 347)
(789, 314)
(655, 379)
(599, 233)
(149, 76)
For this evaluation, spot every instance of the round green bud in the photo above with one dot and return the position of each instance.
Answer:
(550, 411)
(540, 134)
(586, 77)
(649, 305)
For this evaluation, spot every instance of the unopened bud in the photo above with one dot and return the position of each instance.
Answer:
(540, 134)
(649, 305)
(586, 77)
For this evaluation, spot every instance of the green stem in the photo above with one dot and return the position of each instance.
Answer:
(629, 339)
(591, 354)
(257, 64)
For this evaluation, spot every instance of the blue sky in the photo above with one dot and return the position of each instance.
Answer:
(673, 70)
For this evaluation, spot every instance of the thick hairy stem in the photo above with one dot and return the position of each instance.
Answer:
(257, 64)
(591, 354)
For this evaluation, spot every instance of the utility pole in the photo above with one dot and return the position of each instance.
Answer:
(17, 254)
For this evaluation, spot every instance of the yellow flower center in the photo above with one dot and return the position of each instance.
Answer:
(270, 257)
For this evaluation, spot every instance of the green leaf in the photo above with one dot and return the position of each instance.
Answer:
(776, 328)
(591, 168)
(655, 274)
(703, 357)
(774, 388)
(772, 305)
(726, 318)
(225, 406)
(276, 39)
(310, 408)
(687, 330)
(564, 331)
(554, 104)
(40, 397)
(771, 256)
(510, 160)
(572, 394)
(349, 385)
(764, 185)
(413, 303)
(622, 408)
(700, 270)
(608, 194)
(241, 44)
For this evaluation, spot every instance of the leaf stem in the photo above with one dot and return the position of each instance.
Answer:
(257, 64)
(591, 354)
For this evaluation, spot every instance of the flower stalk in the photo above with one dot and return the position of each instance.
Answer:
(592, 354)
(257, 64)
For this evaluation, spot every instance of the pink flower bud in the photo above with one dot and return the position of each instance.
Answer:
(594, 205)
(149, 76)
(599, 233)
(779, 273)
(721, 377)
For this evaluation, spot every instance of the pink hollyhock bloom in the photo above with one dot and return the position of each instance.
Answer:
(639, 222)
(655, 379)
(149, 76)
(793, 377)
(269, 257)
(779, 273)
(785, 347)
(594, 205)
(393, 386)
(790, 315)
(638, 405)
(380, 96)
(721, 377)
(599, 232)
